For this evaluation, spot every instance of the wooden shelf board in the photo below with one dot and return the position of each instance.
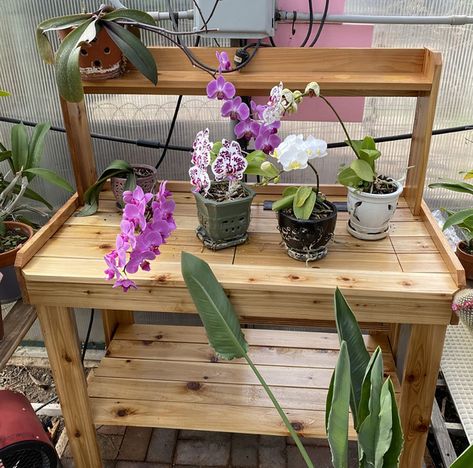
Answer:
(168, 376)
(392, 72)
(257, 274)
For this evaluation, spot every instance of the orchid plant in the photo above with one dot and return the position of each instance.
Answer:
(147, 222)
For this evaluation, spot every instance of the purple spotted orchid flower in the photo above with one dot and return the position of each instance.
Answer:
(147, 222)
(230, 164)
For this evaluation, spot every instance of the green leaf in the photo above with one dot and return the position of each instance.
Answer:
(19, 146)
(391, 457)
(50, 177)
(67, 61)
(32, 195)
(458, 218)
(454, 186)
(337, 421)
(134, 50)
(363, 170)
(4, 93)
(257, 154)
(304, 211)
(349, 331)
(291, 190)
(283, 203)
(130, 183)
(131, 15)
(348, 178)
(468, 175)
(36, 146)
(302, 194)
(220, 320)
(369, 156)
(465, 460)
(385, 423)
(63, 22)
(215, 150)
(4, 155)
(368, 143)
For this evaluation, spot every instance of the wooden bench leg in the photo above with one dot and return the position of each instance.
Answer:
(421, 367)
(111, 319)
(62, 342)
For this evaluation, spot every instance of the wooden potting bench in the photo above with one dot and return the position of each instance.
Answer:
(167, 376)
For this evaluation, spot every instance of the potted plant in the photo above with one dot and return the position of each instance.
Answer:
(123, 176)
(463, 219)
(24, 164)
(93, 46)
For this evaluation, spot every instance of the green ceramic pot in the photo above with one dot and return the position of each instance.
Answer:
(223, 224)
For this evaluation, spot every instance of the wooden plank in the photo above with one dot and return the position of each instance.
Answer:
(62, 343)
(80, 145)
(222, 418)
(111, 319)
(421, 136)
(419, 379)
(442, 437)
(449, 257)
(31, 248)
(411, 244)
(395, 72)
(422, 263)
(16, 324)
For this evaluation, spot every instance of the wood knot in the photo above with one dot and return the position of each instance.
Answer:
(77, 434)
(194, 386)
(128, 361)
(407, 283)
(159, 337)
(122, 412)
(293, 277)
(344, 278)
(251, 280)
(298, 426)
(67, 358)
(105, 246)
(162, 279)
(206, 377)
(410, 378)
(422, 427)
(147, 342)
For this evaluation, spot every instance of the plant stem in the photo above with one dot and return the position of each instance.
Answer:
(316, 177)
(281, 412)
(350, 143)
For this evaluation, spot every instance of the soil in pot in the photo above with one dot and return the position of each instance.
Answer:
(465, 255)
(307, 240)
(223, 220)
(382, 186)
(146, 178)
(12, 238)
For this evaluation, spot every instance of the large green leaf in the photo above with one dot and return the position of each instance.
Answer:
(363, 170)
(465, 460)
(304, 211)
(19, 146)
(36, 146)
(458, 218)
(61, 22)
(131, 15)
(384, 433)
(338, 409)
(454, 186)
(283, 203)
(349, 331)
(67, 61)
(302, 194)
(348, 177)
(134, 50)
(32, 195)
(215, 310)
(50, 177)
(391, 457)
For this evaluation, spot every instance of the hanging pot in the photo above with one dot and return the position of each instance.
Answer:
(307, 240)
(223, 224)
(370, 213)
(99, 60)
(146, 178)
(9, 287)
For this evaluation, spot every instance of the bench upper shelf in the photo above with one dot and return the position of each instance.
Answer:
(342, 72)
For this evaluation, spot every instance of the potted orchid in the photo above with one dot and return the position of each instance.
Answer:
(147, 221)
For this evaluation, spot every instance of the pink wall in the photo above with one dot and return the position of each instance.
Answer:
(333, 35)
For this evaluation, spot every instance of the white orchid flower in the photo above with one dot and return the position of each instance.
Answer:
(315, 148)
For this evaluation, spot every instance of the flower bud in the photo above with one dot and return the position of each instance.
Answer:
(297, 96)
(266, 166)
(312, 89)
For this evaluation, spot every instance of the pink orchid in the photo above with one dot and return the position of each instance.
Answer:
(224, 63)
(247, 129)
(220, 89)
(235, 109)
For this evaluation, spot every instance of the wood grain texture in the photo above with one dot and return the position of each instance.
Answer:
(111, 319)
(62, 342)
(419, 381)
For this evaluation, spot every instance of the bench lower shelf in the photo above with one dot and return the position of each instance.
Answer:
(168, 376)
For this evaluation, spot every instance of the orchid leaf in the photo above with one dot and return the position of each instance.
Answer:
(130, 15)
(363, 170)
(454, 186)
(283, 203)
(391, 457)
(348, 177)
(4, 93)
(32, 195)
(36, 146)
(468, 175)
(458, 218)
(4, 155)
(254, 155)
(305, 211)
(50, 177)
(19, 145)
(134, 50)
(302, 195)
(215, 150)
(291, 190)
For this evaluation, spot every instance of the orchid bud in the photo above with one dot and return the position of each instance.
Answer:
(292, 109)
(266, 166)
(297, 96)
(312, 89)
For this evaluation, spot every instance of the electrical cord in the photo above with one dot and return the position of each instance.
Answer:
(84, 350)
(322, 24)
(311, 23)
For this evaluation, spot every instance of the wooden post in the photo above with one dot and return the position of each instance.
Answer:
(421, 368)
(111, 319)
(80, 145)
(421, 136)
(62, 343)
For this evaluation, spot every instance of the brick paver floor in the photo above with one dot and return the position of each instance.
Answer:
(136, 447)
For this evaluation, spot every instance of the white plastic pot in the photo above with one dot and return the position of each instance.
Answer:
(370, 213)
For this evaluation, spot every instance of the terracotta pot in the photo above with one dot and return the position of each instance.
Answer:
(147, 183)
(9, 288)
(101, 59)
(466, 259)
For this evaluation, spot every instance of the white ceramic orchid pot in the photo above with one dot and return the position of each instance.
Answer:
(370, 213)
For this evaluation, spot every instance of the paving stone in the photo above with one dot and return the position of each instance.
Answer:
(113, 430)
(161, 446)
(202, 452)
(134, 464)
(205, 435)
(69, 463)
(244, 451)
(308, 442)
(108, 446)
(272, 456)
(272, 441)
(135, 443)
(320, 455)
